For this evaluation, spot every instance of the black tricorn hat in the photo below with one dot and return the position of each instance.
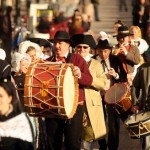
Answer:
(123, 31)
(103, 44)
(62, 35)
(84, 39)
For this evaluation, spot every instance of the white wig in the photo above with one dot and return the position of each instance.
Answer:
(24, 46)
(16, 60)
(2, 54)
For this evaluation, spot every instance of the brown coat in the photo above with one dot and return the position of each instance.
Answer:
(132, 58)
(94, 100)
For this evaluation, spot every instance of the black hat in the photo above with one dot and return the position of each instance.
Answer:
(103, 44)
(84, 39)
(62, 35)
(41, 42)
(123, 31)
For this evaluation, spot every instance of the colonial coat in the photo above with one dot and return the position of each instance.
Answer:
(132, 58)
(94, 100)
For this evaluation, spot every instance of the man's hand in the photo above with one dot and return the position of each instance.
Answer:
(112, 72)
(76, 72)
(135, 109)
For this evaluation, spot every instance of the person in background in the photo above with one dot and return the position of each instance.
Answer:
(96, 5)
(2, 54)
(46, 47)
(127, 53)
(136, 40)
(122, 3)
(7, 33)
(138, 12)
(117, 24)
(20, 64)
(15, 129)
(32, 49)
(77, 26)
(5, 69)
(94, 126)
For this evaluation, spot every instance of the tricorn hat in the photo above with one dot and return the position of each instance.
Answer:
(103, 44)
(123, 31)
(84, 39)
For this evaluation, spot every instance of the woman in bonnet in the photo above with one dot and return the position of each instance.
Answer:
(15, 129)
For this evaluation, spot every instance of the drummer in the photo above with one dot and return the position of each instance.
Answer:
(94, 125)
(141, 88)
(70, 128)
(115, 73)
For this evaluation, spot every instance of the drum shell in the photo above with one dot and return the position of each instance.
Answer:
(44, 90)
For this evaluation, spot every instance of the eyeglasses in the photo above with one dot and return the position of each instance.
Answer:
(85, 47)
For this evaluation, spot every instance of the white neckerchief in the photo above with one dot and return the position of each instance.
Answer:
(87, 58)
(17, 127)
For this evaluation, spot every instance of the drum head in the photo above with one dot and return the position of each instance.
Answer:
(69, 92)
(115, 93)
(136, 118)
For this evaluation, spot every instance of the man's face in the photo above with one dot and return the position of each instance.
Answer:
(82, 49)
(47, 51)
(104, 54)
(124, 40)
(61, 47)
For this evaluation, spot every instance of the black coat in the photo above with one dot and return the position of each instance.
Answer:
(116, 64)
(5, 69)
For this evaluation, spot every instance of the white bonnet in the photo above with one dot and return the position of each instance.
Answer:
(2, 54)
(23, 46)
(16, 59)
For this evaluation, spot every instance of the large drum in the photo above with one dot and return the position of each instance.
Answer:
(118, 97)
(138, 125)
(51, 90)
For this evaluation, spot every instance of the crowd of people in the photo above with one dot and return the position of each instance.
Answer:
(111, 63)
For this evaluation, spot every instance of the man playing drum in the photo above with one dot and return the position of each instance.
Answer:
(141, 88)
(70, 128)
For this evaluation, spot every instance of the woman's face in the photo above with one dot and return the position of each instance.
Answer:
(24, 64)
(134, 32)
(32, 54)
(5, 101)
(82, 49)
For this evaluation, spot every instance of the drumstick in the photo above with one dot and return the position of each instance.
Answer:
(135, 116)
